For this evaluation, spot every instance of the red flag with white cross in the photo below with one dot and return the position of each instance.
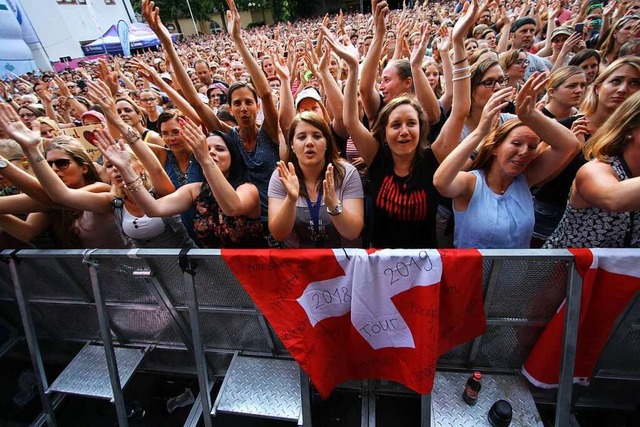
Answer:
(385, 314)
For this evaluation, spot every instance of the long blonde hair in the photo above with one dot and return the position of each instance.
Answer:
(613, 137)
(590, 103)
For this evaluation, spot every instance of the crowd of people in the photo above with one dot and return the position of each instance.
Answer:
(441, 124)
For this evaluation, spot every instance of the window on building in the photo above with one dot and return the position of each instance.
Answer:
(110, 1)
(70, 1)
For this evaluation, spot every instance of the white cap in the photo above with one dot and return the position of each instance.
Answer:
(307, 93)
(166, 76)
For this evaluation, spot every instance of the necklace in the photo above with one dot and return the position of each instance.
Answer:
(182, 176)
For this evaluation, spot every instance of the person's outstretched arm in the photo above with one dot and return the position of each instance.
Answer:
(424, 92)
(449, 136)
(270, 123)
(365, 143)
(451, 180)
(368, 93)
(152, 14)
(563, 144)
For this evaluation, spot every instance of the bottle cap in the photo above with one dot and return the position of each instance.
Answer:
(500, 414)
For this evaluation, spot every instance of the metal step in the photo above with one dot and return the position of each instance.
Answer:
(449, 410)
(87, 374)
(261, 387)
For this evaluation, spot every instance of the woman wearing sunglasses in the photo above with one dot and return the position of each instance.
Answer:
(227, 206)
(125, 215)
(69, 166)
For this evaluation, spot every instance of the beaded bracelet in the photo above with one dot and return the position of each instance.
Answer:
(130, 135)
(455, 79)
(460, 70)
(461, 61)
(134, 188)
(135, 182)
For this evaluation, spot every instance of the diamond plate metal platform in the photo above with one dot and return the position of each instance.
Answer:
(87, 374)
(260, 387)
(449, 410)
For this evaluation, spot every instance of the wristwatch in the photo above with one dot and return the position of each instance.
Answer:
(337, 211)
(3, 163)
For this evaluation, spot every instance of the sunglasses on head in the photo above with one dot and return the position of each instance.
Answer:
(60, 163)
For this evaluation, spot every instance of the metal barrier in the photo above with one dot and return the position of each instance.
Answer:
(161, 300)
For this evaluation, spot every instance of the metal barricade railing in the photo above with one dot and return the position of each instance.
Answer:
(149, 300)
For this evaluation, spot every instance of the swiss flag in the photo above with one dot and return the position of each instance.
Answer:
(385, 314)
(610, 278)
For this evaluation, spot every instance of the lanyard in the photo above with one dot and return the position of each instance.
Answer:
(314, 212)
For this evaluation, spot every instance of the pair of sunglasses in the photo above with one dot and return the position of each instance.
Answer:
(60, 164)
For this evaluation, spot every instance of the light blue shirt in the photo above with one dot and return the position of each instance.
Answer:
(495, 221)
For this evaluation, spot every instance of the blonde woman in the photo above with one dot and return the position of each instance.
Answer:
(604, 195)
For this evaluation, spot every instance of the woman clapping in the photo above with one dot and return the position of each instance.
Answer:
(316, 200)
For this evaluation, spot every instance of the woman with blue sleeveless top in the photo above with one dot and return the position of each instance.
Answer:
(492, 203)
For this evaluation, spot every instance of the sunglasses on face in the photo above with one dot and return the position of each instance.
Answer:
(60, 164)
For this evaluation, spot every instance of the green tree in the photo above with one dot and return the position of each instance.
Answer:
(172, 10)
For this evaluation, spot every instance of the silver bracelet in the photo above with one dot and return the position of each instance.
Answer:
(459, 70)
(455, 79)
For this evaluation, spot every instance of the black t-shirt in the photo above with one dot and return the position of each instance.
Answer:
(404, 207)
(151, 125)
(556, 191)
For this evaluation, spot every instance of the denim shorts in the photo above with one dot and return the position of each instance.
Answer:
(547, 218)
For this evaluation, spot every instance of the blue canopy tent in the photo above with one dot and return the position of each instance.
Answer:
(140, 37)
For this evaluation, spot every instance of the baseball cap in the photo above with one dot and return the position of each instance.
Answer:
(95, 114)
(562, 31)
(307, 93)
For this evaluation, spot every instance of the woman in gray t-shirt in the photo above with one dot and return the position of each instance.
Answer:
(316, 200)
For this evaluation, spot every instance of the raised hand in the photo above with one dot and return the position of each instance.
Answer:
(100, 94)
(144, 70)
(573, 40)
(418, 54)
(445, 40)
(380, 10)
(289, 179)
(109, 77)
(152, 15)
(492, 108)
(347, 52)
(196, 139)
(63, 90)
(329, 190)
(44, 93)
(11, 124)
(580, 128)
(526, 99)
(116, 153)
(463, 25)
(233, 20)
(282, 71)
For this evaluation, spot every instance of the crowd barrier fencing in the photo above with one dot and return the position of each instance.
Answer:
(188, 303)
